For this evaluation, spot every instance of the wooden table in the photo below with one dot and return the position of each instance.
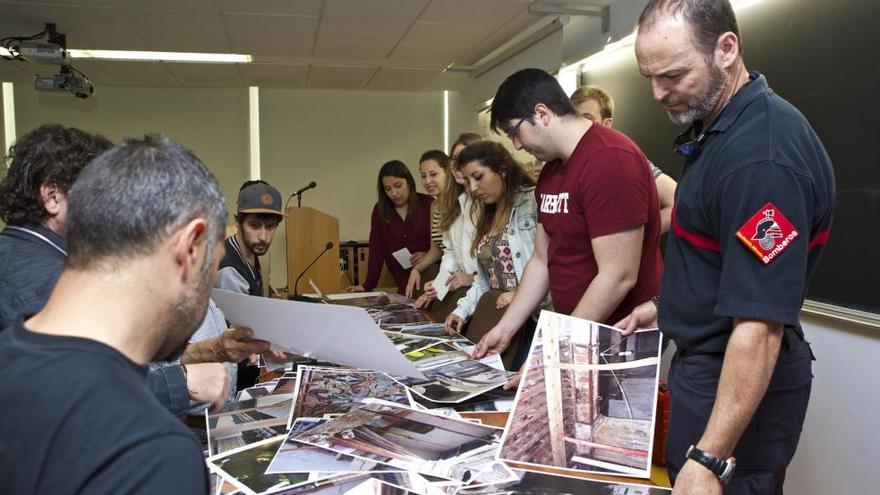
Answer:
(659, 477)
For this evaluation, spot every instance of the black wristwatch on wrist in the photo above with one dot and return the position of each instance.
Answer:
(722, 469)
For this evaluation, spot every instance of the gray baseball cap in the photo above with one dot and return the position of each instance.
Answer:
(260, 198)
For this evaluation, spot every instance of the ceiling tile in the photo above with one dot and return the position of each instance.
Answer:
(429, 33)
(427, 54)
(363, 29)
(402, 79)
(401, 10)
(180, 5)
(85, 27)
(484, 13)
(339, 77)
(330, 48)
(206, 44)
(129, 73)
(206, 75)
(277, 47)
(81, 3)
(274, 76)
(290, 7)
(153, 23)
(269, 27)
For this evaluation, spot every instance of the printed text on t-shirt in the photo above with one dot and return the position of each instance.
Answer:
(554, 203)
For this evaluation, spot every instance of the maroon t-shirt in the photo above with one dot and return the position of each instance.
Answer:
(414, 233)
(605, 187)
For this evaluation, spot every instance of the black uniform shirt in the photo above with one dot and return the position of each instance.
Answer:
(752, 214)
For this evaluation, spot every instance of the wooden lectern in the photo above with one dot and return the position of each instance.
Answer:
(308, 232)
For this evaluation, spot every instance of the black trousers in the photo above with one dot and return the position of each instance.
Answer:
(770, 440)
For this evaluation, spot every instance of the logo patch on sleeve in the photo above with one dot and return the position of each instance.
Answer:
(767, 234)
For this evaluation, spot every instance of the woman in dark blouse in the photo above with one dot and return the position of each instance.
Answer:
(401, 219)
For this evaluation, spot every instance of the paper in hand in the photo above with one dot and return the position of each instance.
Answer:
(402, 256)
(440, 284)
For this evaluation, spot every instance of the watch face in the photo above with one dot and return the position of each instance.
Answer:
(729, 468)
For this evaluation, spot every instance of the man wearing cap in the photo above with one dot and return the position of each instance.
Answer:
(257, 217)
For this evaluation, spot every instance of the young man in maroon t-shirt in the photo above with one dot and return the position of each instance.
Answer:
(596, 246)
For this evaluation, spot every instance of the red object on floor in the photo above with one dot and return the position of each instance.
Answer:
(661, 425)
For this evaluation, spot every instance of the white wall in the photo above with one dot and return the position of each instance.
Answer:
(211, 122)
(340, 139)
(840, 444)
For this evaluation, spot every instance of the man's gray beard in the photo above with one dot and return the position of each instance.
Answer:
(186, 315)
(705, 103)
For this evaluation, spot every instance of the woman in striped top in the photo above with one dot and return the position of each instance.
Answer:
(433, 165)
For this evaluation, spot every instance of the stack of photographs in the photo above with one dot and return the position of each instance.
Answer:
(587, 399)
(409, 440)
(397, 316)
(451, 375)
(263, 415)
(327, 392)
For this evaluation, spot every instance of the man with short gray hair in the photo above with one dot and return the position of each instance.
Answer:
(144, 234)
(753, 213)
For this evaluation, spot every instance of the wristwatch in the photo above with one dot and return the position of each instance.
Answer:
(722, 469)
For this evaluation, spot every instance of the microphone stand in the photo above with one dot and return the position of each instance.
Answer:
(296, 296)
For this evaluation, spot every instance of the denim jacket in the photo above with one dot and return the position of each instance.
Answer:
(522, 227)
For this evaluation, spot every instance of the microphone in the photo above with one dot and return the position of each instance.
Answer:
(311, 185)
(298, 194)
(296, 296)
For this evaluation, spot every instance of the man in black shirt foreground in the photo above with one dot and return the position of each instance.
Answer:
(145, 225)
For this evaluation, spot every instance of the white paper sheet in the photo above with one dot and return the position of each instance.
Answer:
(339, 334)
(440, 284)
(402, 256)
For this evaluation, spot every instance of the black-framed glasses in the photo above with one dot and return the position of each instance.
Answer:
(687, 144)
(511, 133)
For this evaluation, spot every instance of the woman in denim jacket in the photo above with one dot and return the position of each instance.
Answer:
(505, 216)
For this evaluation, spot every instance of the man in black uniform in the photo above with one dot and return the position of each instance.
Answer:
(145, 228)
(752, 214)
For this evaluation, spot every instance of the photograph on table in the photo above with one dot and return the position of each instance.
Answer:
(407, 344)
(435, 356)
(408, 439)
(587, 399)
(246, 422)
(455, 378)
(295, 456)
(436, 330)
(286, 384)
(535, 483)
(323, 392)
(396, 316)
(245, 468)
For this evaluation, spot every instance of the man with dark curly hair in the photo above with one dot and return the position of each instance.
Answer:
(44, 163)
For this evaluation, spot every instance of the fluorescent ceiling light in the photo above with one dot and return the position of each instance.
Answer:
(217, 58)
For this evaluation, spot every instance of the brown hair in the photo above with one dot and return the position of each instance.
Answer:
(496, 157)
(447, 203)
(597, 94)
(395, 168)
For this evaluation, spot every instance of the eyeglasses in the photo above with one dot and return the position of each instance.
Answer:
(687, 145)
(511, 133)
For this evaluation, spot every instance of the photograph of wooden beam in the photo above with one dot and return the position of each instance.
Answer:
(587, 399)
